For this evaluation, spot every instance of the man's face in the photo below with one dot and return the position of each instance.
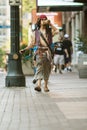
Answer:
(43, 21)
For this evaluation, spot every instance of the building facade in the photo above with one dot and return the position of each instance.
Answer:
(4, 22)
(75, 24)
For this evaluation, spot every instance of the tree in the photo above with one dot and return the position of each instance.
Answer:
(2, 55)
(82, 44)
(27, 6)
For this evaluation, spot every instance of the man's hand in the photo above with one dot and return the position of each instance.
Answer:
(22, 51)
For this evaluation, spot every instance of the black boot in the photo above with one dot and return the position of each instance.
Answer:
(34, 81)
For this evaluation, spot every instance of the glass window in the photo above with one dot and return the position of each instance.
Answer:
(0, 31)
(2, 2)
(4, 31)
(3, 12)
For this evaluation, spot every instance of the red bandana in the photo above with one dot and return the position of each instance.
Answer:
(43, 16)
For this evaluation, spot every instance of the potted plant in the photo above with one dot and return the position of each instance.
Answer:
(82, 59)
(27, 61)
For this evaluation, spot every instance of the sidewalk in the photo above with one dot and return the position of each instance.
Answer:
(63, 108)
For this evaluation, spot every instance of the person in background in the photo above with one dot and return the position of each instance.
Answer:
(68, 50)
(58, 55)
(43, 54)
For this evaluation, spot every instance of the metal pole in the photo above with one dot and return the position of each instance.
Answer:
(15, 75)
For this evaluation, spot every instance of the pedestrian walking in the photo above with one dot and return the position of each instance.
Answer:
(58, 55)
(68, 50)
(42, 38)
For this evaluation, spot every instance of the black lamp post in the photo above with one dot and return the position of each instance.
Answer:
(15, 75)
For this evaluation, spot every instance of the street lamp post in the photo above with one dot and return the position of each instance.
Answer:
(15, 75)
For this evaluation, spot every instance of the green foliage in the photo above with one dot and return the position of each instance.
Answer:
(27, 55)
(82, 44)
(28, 5)
(2, 55)
(25, 35)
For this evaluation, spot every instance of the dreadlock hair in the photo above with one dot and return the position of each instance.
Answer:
(48, 30)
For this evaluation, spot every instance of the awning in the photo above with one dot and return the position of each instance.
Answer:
(58, 5)
(81, 1)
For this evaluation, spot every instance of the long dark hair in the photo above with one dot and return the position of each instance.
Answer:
(48, 30)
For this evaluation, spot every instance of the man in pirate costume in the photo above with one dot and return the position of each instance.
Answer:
(44, 30)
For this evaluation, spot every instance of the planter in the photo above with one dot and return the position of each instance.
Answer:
(27, 68)
(82, 66)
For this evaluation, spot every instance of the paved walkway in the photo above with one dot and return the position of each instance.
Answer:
(63, 108)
